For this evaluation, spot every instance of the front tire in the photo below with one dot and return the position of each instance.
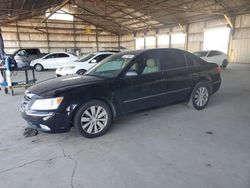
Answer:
(38, 67)
(93, 119)
(200, 95)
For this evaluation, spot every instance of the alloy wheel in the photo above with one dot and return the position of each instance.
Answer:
(94, 119)
(38, 68)
(201, 96)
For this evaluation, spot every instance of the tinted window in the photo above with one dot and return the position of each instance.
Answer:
(51, 56)
(62, 55)
(86, 58)
(101, 57)
(22, 52)
(172, 59)
(32, 51)
(193, 60)
(214, 53)
(201, 54)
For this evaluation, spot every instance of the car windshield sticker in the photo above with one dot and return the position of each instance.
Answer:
(128, 56)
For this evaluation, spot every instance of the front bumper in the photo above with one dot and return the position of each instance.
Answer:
(62, 72)
(216, 85)
(48, 121)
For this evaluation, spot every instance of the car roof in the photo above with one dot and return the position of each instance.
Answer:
(137, 52)
(59, 52)
(99, 53)
(209, 51)
(28, 48)
(203, 51)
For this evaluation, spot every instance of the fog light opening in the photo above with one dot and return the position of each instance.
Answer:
(44, 127)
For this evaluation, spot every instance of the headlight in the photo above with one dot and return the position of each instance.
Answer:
(47, 104)
(69, 67)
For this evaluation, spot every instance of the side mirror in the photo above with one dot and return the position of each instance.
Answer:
(131, 73)
(93, 61)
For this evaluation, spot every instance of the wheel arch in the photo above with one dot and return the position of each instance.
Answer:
(202, 79)
(79, 70)
(39, 64)
(107, 102)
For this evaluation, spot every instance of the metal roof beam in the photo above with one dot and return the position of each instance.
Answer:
(129, 14)
(92, 23)
(103, 17)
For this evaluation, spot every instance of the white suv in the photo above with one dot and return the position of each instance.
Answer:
(213, 56)
(82, 64)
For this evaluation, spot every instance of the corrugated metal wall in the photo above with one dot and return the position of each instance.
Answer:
(239, 43)
(239, 50)
(196, 33)
(60, 36)
(63, 36)
(128, 42)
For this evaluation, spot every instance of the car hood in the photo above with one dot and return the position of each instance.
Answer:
(54, 86)
(74, 63)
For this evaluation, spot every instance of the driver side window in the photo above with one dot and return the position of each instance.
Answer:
(22, 53)
(145, 65)
(51, 56)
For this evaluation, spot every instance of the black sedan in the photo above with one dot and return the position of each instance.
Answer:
(122, 83)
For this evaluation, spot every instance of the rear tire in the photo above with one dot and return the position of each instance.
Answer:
(200, 95)
(81, 71)
(38, 67)
(93, 119)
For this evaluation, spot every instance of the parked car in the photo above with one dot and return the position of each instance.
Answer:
(213, 56)
(81, 65)
(52, 61)
(122, 83)
(24, 56)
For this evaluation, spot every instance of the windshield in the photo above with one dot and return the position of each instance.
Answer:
(85, 58)
(111, 66)
(201, 54)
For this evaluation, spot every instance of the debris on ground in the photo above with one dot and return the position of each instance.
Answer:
(209, 132)
(28, 132)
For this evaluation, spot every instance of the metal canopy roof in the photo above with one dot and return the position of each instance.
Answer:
(126, 16)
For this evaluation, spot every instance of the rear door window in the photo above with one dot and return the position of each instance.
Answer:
(32, 51)
(201, 53)
(62, 55)
(193, 60)
(214, 53)
(51, 56)
(172, 59)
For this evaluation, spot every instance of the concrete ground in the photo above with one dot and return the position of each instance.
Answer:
(172, 147)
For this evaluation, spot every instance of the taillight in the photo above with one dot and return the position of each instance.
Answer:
(218, 69)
